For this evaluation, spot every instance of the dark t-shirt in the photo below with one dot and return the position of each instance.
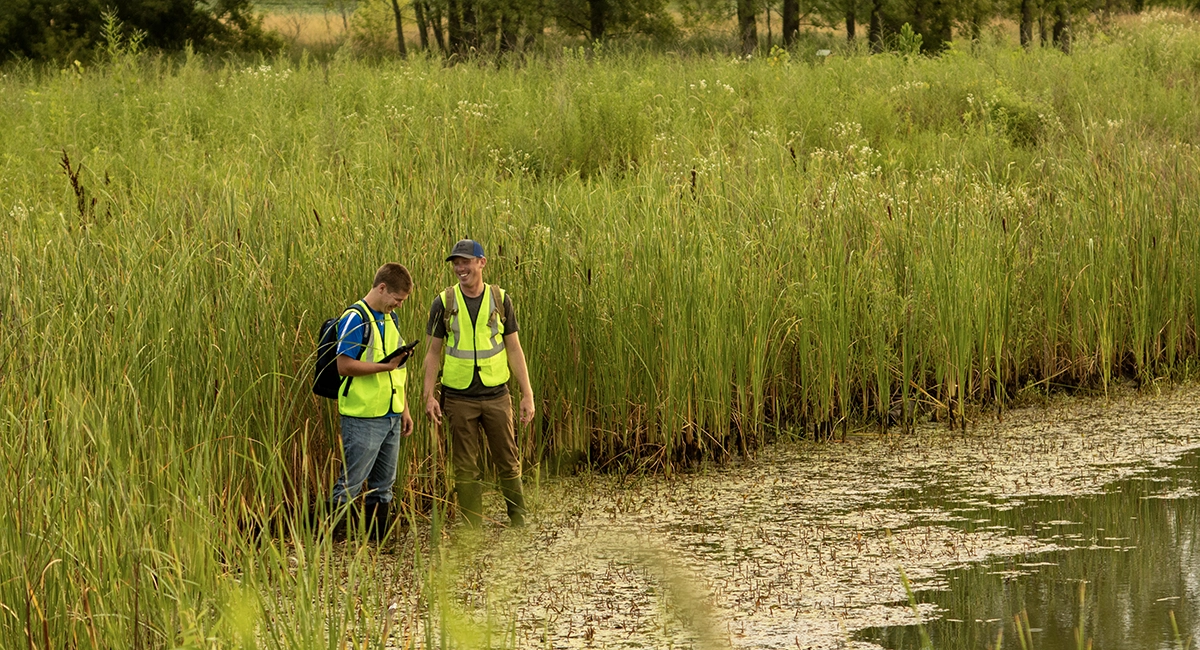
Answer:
(436, 327)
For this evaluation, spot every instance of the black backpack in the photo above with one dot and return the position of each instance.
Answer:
(326, 380)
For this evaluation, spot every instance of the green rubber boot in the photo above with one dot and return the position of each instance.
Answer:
(514, 498)
(378, 521)
(470, 501)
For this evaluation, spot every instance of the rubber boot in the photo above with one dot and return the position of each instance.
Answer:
(514, 498)
(378, 520)
(470, 502)
(341, 521)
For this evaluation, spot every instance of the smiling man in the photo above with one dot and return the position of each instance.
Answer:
(473, 339)
(371, 399)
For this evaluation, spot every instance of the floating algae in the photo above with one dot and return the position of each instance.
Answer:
(801, 545)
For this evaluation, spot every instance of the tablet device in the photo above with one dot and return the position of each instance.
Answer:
(400, 351)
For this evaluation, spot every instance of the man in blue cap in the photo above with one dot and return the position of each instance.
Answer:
(473, 340)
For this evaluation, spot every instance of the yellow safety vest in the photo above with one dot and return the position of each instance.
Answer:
(372, 396)
(478, 344)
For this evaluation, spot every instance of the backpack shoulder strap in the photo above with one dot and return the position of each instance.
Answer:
(396, 322)
(499, 294)
(449, 306)
(366, 319)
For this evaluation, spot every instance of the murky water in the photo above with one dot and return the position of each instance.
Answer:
(801, 547)
(1133, 550)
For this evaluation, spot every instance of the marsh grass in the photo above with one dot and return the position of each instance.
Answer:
(703, 252)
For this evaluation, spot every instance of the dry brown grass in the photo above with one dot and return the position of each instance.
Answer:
(318, 29)
(306, 28)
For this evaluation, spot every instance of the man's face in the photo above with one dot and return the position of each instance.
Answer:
(393, 299)
(469, 270)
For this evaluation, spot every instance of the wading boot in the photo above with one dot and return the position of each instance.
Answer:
(379, 521)
(514, 498)
(470, 502)
(341, 520)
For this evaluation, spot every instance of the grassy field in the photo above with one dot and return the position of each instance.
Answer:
(702, 251)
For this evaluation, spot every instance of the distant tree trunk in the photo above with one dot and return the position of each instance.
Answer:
(510, 26)
(875, 26)
(918, 17)
(489, 25)
(454, 27)
(435, 20)
(599, 15)
(1027, 24)
(403, 49)
(747, 26)
(535, 24)
(850, 23)
(791, 21)
(1043, 30)
(770, 36)
(976, 19)
(939, 26)
(1062, 26)
(470, 24)
(422, 25)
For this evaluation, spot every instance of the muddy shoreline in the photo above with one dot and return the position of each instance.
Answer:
(800, 545)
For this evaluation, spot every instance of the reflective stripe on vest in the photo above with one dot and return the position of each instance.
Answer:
(474, 344)
(372, 396)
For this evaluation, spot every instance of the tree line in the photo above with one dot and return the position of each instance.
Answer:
(504, 24)
(61, 29)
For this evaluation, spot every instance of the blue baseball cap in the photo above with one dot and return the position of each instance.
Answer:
(466, 248)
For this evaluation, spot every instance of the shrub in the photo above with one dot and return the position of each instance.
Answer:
(67, 29)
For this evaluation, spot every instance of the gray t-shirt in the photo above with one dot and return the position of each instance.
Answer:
(436, 327)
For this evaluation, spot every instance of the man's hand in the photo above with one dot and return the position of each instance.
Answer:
(433, 362)
(348, 367)
(527, 409)
(406, 424)
(433, 410)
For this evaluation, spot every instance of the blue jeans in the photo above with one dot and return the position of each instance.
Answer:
(369, 447)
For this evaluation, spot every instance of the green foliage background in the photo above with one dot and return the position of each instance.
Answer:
(63, 30)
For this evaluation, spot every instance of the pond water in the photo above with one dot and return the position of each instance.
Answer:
(1128, 562)
(802, 545)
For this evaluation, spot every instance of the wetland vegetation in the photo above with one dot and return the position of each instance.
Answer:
(708, 253)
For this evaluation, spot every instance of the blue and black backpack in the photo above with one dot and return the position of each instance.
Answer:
(326, 380)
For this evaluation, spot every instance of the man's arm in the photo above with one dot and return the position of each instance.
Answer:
(348, 367)
(516, 362)
(351, 332)
(433, 362)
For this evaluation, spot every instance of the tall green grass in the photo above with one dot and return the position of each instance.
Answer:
(701, 251)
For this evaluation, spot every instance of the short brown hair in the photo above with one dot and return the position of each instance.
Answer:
(395, 277)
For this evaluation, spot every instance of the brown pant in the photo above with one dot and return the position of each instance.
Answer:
(473, 421)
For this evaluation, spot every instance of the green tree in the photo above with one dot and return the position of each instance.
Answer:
(399, 28)
(66, 29)
(602, 18)
(932, 20)
(747, 14)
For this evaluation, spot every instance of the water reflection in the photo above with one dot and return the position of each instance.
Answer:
(1134, 547)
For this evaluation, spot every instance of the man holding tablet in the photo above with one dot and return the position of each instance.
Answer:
(371, 400)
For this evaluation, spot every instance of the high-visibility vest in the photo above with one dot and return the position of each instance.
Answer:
(471, 345)
(372, 396)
